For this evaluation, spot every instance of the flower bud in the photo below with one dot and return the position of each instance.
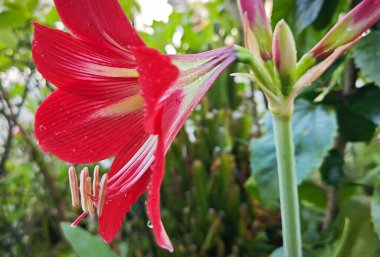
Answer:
(254, 12)
(284, 52)
(350, 27)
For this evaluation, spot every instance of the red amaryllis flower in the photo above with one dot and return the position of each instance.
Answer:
(118, 97)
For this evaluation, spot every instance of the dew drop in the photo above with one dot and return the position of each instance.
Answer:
(146, 202)
(149, 224)
(42, 128)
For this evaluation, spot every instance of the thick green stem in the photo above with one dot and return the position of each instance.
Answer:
(291, 228)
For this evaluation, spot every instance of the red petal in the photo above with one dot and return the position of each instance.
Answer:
(75, 129)
(114, 210)
(140, 158)
(154, 211)
(82, 69)
(187, 93)
(101, 22)
(157, 74)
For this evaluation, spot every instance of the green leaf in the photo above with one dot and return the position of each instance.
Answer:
(279, 252)
(332, 169)
(8, 38)
(366, 103)
(85, 244)
(306, 12)
(312, 196)
(334, 249)
(354, 127)
(375, 211)
(358, 118)
(12, 19)
(361, 239)
(5, 62)
(356, 234)
(283, 9)
(326, 14)
(314, 130)
(52, 16)
(366, 55)
(31, 4)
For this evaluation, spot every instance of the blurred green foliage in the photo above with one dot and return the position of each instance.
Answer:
(219, 196)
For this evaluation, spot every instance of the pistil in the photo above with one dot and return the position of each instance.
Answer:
(90, 204)
(102, 194)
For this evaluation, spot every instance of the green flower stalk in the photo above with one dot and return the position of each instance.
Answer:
(274, 68)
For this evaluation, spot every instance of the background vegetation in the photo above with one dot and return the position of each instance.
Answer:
(219, 193)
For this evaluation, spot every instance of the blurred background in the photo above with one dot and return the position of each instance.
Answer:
(219, 196)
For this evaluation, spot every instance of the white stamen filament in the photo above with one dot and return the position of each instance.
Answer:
(134, 179)
(144, 164)
(118, 178)
(95, 185)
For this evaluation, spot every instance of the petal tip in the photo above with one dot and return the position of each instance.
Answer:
(165, 242)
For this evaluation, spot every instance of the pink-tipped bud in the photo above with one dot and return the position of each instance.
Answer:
(250, 40)
(350, 27)
(254, 12)
(284, 52)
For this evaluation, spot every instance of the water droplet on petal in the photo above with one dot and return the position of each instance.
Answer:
(149, 224)
(42, 128)
(146, 202)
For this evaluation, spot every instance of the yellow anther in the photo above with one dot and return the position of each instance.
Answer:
(73, 180)
(82, 189)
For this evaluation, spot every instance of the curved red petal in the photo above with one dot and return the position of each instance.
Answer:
(125, 172)
(81, 69)
(114, 210)
(154, 210)
(120, 173)
(157, 75)
(101, 22)
(77, 130)
(187, 93)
